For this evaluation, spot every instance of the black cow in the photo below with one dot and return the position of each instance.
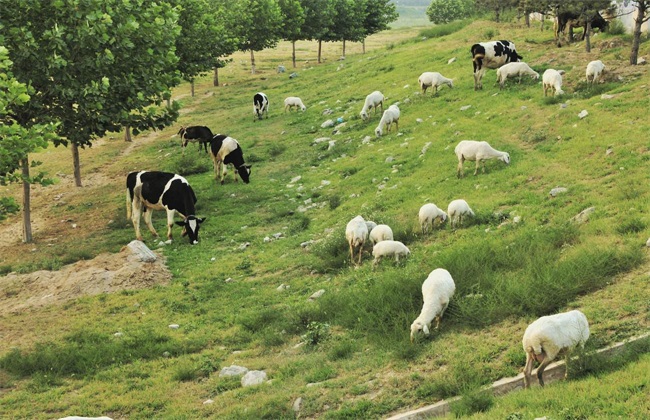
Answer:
(573, 20)
(150, 190)
(491, 55)
(199, 133)
(225, 150)
(260, 105)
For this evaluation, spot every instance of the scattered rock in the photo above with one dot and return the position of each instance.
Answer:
(609, 151)
(606, 96)
(389, 159)
(208, 401)
(281, 69)
(306, 244)
(558, 190)
(366, 140)
(174, 326)
(451, 60)
(141, 251)
(233, 370)
(465, 108)
(296, 178)
(327, 111)
(583, 114)
(419, 120)
(282, 287)
(327, 124)
(293, 75)
(317, 294)
(647, 243)
(229, 280)
(562, 106)
(244, 245)
(253, 377)
(118, 334)
(641, 61)
(321, 139)
(583, 216)
(297, 404)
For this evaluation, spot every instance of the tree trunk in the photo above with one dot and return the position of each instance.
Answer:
(320, 43)
(541, 25)
(363, 45)
(192, 87)
(252, 62)
(497, 13)
(527, 18)
(293, 53)
(75, 164)
(169, 102)
(636, 38)
(344, 48)
(588, 36)
(127, 134)
(27, 223)
(215, 77)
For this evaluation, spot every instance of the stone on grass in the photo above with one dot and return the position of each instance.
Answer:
(557, 190)
(583, 114)
(233, 370)
(317, 294)
(253, 377)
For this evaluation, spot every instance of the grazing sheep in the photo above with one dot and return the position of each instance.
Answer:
(457, 210)
(391, 115)
(437, 290)
(381, 233)
(479, 151)
(356, 232)
(550, 336)
(370, 225)
(428, 214)
(433, 79)
(387, 249)
(373, 100)
(491, 55)
(552, 79)
(518, 69)
(294, 101)
(594, 70)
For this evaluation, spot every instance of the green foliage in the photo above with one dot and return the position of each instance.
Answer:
(631, 226)
(476, 401)
(8, 206)
(445, 11)
(439, 31)
(316, 333)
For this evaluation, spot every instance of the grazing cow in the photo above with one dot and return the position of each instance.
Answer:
(573, 20)
(260, 105)
(225, 150)
(151, 190)
(194, 133)
(491, 55)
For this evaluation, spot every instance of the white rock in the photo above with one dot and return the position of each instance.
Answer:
(267, 239)
(647, 243)
(465, 108)
(583, 114)
(297, 404)
(325, 182)
(297, 178)
(328, 123)
(253, 377)
(208, 401)
(317, 294)
(557, 190)
(244, 245)
(451, 60)
(174, 326)
(233, 370)
(419, 120)
(606, 96)
(282, 287)
(118, 334)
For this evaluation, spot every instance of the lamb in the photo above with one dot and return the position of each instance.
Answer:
(594, 70)
(457, 210)
(391, 115)
(294, 101)
(373, 100)
(428, 214)
(552, 79)
(479, 151)
(514, 69)
(381, 233)
(370, 225)
(437, 290)
(387, 249)
(550, 336)
(356, 232)
(433, 79)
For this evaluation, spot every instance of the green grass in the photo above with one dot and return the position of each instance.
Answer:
(353, 342)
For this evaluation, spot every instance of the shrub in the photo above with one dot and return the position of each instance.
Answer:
(316, 333)
(8, 206)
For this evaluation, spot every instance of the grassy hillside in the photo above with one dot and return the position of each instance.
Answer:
(347, 354)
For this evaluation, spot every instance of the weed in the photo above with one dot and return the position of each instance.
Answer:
(475, 401)
(316, 333)
(8, 206)
(631, 226)
(341, 350)
(334, 202)
(320, 374)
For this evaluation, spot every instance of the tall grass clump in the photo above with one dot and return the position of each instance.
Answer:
(86, 352)
(445, 29)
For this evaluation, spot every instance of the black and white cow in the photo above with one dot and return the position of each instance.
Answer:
(491, 55)
(225, 150)
(260, 105)
(150, 190)
(199, 133)
(574, 19)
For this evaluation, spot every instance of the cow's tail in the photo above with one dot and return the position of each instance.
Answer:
(128, 203)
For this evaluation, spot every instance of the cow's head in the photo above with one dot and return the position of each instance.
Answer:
(191, 226)
(244, 172)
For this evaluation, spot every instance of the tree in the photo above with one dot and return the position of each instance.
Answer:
(586, 10)
(642, 15)
(378, 14)
(95, 65)
(496, 6)
(347, 22)
(319, 16)
(257, 25)
(17, 141)
(445, 11)
(293, 17)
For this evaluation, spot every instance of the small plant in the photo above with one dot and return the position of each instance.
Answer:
(475, 401)
(316, 333)
(342, 350)
(334, 201)
(490, 33)
(8, 206)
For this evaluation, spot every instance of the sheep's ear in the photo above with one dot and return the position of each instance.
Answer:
(425, 328)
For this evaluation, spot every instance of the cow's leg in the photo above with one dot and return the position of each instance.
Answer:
(136, 212)
(170, 223)
(223, 168)
(234, 172)
(148, 213)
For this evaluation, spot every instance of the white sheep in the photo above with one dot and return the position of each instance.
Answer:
(550, 336)
(391, 115)
(457, 210)
(370, 225)
(356, 232)
(373, 100)
(437, 290)
(428, 214)
(552, 79)
(293, 101)
(594, 70)
(381, 233)
(388, 249)
(478, 151)
(433, 79)
(518, 69)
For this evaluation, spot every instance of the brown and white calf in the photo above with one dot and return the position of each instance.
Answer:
(225, 150)
(151, 190)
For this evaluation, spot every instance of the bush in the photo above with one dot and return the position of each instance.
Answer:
(8, 206)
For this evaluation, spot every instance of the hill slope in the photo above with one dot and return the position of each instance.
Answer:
(346, 354)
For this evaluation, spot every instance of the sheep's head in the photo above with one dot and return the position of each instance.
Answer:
(378, 131)
(418, 327)
(506, 158)
(443, 217)
(364, 115)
